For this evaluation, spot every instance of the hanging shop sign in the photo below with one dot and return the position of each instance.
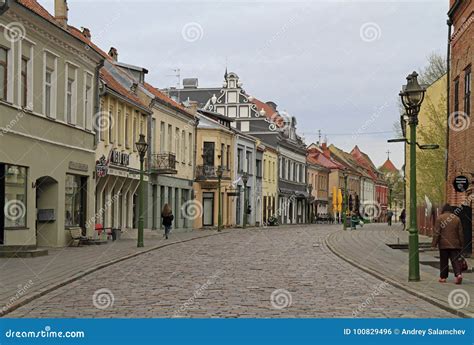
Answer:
(461, 183)
(101, 167)
(120, 158)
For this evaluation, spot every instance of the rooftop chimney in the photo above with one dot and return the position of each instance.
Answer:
(272, 105)
(192, 106)
(113, 53)
(325, 149)
(190, 83)
(60, 12)
(86, 33)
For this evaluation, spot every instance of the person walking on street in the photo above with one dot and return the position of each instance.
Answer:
(449, 238)
(167, 219)
(389, 217)
(403, 218)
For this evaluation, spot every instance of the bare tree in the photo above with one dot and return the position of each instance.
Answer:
(435, 69)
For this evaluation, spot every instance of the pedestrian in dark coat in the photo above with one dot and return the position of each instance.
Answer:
(167, 219)
(403, 218)
(449, 238)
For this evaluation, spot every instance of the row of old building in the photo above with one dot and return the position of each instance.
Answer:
(72, 113)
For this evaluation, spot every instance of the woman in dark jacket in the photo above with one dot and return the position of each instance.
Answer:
(167, 219)
(449, 238)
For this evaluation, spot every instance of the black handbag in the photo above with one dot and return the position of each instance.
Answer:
(463, 264)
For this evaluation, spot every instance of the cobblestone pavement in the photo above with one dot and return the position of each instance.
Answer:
(368, 248)
(274, 272)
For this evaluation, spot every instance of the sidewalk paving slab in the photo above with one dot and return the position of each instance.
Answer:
(367, 249)
(25, 279)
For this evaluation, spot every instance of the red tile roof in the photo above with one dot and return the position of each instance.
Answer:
(167, 100)
(37, 8)
(270, 113)
(318, 158)
(389, 166)
(119, 88)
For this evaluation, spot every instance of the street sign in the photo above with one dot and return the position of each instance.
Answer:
(461, 183)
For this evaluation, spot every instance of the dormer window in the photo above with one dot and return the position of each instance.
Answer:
(231, 84)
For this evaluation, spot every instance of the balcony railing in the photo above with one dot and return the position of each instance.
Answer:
(209, 172)
(163, 163)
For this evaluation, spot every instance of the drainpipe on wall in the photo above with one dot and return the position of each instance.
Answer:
(448, 90)
(97, 95)
(196, 123)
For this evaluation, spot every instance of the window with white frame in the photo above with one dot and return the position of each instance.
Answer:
(190, 146)
(50, 85)
(88, 100)
(71, 94)
(24, 82)
(3, 73)
(245, 126)
(183, 146)
(127, 128)
(162, 136)
(177, 149)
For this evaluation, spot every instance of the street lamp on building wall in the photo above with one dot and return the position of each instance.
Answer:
(344, 202)
(412, 96)
(219, 198)
(245, 179)
(142, 148)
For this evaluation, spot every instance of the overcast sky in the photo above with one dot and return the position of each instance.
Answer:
(336, 65)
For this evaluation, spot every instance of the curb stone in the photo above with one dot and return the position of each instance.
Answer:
(397, 284)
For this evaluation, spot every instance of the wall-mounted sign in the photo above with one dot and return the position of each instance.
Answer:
(101, 167)
(46, 215)
(120, 158)
(461, 183)
(78, 166)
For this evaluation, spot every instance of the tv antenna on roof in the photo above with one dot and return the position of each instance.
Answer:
(177, 75)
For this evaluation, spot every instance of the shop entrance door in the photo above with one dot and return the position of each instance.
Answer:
(208, 209)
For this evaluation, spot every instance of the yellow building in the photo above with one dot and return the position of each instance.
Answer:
(215, 142)
(269, 183)
(123, 118)
(432, 115)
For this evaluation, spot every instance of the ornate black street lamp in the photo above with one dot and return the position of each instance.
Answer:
(142, 148)
(219, 198)
(412, 96)
(245, 179)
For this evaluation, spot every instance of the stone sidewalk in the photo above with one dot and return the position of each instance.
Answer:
(24, 279)
(367, 249)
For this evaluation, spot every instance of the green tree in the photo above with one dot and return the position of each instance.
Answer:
(431, 163)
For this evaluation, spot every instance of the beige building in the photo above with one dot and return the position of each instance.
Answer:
(269, 183)
(215, 142)
(47, 102)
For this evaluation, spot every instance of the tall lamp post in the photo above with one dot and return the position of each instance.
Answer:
(245, 179)
(412, 96)
(219, 198)
(310, 199)
(142, 148)
(344, 203)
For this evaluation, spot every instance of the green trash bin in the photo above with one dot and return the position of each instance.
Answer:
(354, 222)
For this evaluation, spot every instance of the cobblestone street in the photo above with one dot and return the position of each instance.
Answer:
(274, 272)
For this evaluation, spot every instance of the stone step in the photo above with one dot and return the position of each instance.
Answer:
(22, 252)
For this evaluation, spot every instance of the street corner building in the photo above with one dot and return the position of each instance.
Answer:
(460, 162)
(48, 96)
(122, 117)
